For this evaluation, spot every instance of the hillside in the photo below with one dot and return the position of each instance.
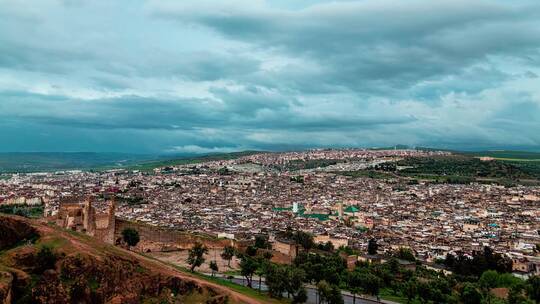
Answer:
(43, 264)
(50, 162)
(54, 161)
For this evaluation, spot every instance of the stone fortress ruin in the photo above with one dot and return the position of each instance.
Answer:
(83, 218)
(106, 227)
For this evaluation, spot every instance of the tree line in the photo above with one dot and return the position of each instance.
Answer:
(471, 282)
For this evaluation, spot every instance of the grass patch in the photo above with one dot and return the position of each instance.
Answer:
(232, 272)
(93, 284)
(386, 294)
(366, 173)
(53, 242)
(253, 293)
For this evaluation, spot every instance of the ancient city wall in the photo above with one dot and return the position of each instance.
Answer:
(163, 239)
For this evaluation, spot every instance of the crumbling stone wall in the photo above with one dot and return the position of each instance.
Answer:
(162, 239)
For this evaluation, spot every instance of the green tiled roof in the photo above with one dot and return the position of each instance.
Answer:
(351, 209)
(320, 217)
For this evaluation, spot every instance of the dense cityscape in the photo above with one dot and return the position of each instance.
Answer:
(266, 193)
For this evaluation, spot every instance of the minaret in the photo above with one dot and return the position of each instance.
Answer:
(340, 210)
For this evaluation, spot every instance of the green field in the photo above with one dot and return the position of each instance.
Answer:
(460, 169)
(508, 155)
(367, 173)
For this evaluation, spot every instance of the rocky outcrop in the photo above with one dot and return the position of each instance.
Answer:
(6, 286)
(14, 231)
(62, 268)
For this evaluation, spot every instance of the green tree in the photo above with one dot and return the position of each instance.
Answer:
(227, 254)
(405, 254)
(214, 267)
(410, 289)
(323, 291)
(294, 280)
(248, 266)
(196, 256)
(365, 281)
(251, 251)
(261, 241)
(304, 239)
(371, 284)
(372, 246)
(276, 280)
(335, 296)
(533, 288)
(130, 236)
(355, 283)
(328, 246)
(487, 281)
(300, 297)
(516, 295)
(470, 294)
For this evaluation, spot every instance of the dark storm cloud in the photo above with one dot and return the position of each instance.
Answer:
(389, 45)
(212, 76)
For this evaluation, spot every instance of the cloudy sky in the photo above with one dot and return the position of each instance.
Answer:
(203, 76)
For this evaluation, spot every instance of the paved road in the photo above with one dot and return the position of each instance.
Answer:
(312, 293)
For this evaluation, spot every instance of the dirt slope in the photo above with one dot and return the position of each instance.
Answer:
(80, 269)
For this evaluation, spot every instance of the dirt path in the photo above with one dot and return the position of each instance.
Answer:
(83, 245)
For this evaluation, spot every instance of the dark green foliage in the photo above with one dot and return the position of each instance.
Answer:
(470, 294)
(460, 166)
(251, 251)
(309, 164)
(331, 268)
(533, 288)
(261, 241)
(405, 254)
(517, 294)
(329, 293)
(300, 297)
(196, 256)
(285, 279)
(22, 210)
(45, 259)
(366, 173)
(130, 236)
(275, 280)
(304, 239)
(345, 249)
(224, 171)
(248, 266)
(481, 262)
(214, 267)
(372, 246)
(328, 246)
(227, 254)
(365, 281)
